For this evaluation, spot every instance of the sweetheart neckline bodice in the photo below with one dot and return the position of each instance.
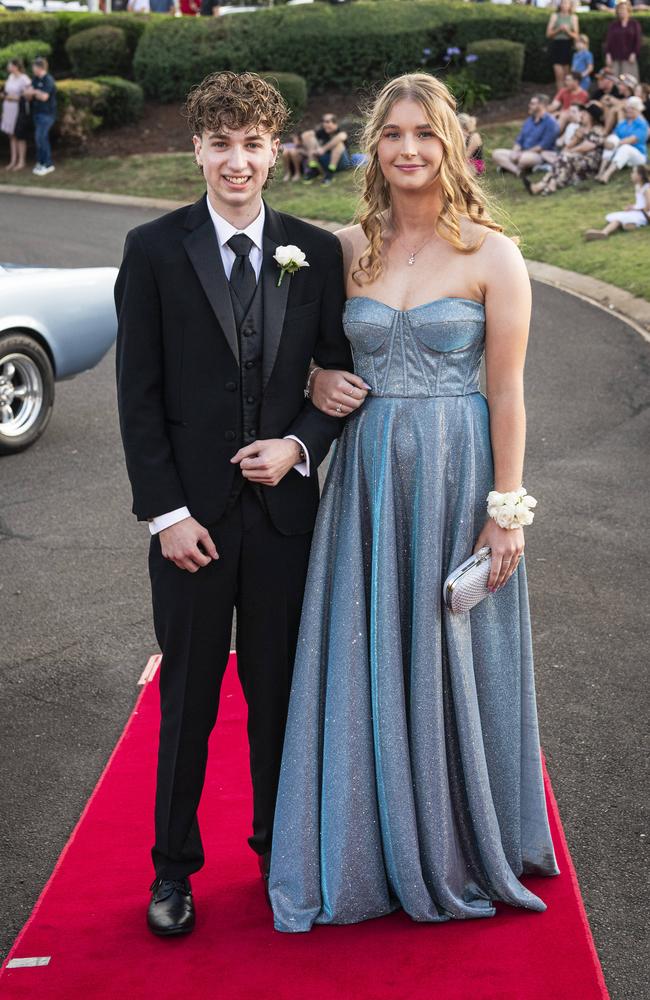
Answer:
(423, 305)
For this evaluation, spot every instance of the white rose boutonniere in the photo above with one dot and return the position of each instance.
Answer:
(290, 259)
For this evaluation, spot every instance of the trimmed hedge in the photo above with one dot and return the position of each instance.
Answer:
(333, 47)
(79, 104)
(98, 50)
(345, 47)
(294, 90)
(122, 103)
(133, 26)
(499, 65)
(27, 51)
(87, 105)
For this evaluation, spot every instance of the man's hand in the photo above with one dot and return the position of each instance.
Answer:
(337, 393)
(188, 545)
(267, 462)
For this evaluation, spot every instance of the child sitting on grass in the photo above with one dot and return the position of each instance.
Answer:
(633, 216)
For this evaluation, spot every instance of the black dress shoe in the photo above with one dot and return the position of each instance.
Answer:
(264, 861)
(171, 910)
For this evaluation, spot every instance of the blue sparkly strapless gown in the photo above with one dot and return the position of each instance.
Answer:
(411, 773)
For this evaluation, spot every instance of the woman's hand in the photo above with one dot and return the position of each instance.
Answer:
(337, 393)
(507, 545)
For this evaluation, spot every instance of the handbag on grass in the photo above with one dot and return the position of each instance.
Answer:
(467, 584)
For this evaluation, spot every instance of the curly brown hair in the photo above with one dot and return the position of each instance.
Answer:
(461, 193)
(233, 101)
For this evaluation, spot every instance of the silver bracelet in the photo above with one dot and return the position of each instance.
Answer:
(307, 389)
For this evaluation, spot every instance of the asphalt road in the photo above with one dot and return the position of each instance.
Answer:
(75, 612)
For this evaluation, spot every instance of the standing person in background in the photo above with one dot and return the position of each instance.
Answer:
(538, 134)
(473, 142)
(623, 43)
(582, 64)
(190, 8)
(15, 86)
(562, 30)
(210, 8)
(42, 94)
(163, 6)
(138, 6)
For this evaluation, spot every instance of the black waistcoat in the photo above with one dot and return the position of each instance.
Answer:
(250, 335)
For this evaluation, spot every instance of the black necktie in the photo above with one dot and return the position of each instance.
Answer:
(242, 276)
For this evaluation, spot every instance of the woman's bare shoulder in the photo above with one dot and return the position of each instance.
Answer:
(353, 242)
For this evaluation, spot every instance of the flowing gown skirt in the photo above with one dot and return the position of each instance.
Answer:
(411, 773)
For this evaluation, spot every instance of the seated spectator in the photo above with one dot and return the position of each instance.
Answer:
(642, 90)
(581, 156)
(293, 155)
(627, 146)
(607, 94)
(473, 142)
(570, 93)
(633, 216)
(582, 64)
(326, 149)
(538, 133)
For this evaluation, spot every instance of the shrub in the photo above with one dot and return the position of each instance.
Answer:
(294, 90)
(498, 64)
(133, 26)
(98, 50)
(177, 53)
(122, 103)
(27, 51)
(80, 102)
(23, 26)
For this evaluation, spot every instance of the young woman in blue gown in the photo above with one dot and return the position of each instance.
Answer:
(411, 773)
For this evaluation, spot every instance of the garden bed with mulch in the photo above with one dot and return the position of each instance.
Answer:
(164, 130)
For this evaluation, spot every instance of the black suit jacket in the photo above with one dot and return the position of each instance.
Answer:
(178, 371)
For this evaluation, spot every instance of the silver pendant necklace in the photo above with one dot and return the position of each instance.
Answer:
(413, 253)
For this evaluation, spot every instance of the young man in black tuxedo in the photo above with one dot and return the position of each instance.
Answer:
(222, 449)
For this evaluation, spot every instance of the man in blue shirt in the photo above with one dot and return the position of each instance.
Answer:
(42, 94)
(537, 134)
(627, 146)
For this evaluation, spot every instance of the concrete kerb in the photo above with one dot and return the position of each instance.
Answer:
(610, 298)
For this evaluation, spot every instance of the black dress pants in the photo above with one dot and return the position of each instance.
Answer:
(261, 573)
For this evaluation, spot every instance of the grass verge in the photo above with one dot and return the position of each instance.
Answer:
(550, 229)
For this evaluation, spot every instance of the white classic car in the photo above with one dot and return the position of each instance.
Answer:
(54, 323)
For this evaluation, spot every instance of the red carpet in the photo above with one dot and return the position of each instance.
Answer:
(92, 927)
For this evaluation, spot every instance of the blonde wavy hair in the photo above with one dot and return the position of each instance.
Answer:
(462, 196)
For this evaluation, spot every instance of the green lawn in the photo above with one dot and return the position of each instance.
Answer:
(550, 229)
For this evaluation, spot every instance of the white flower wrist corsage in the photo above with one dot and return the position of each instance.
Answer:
(511, 510)
(290, 259)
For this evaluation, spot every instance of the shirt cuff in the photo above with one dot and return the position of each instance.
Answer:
(301, 467)
(163, 521)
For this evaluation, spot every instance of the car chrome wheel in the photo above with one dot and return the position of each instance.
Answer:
(26, 391)
(21, 394)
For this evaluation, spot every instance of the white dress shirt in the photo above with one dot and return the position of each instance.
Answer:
(225, 230)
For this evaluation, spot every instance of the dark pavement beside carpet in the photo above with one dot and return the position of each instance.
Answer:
(76, 626)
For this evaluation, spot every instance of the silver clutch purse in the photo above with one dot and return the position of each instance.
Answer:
(467, 585)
